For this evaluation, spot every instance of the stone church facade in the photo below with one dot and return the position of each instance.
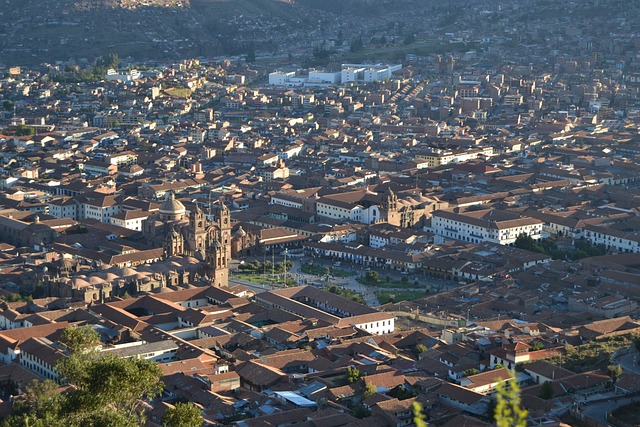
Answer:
(204, 237)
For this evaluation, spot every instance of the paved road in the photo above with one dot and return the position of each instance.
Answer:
(629, 362)
(599, 411)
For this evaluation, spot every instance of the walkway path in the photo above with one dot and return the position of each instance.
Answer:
(351, 282)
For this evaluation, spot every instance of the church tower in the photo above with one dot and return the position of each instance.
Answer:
(389, 208)
(217, 264)
(197, 240)
(218, 253)
(224, 223)
(173, 244)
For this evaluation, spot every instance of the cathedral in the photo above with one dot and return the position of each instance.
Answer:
(204, 237)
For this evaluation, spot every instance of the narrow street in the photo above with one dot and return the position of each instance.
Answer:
(599, 411)
(629, 362)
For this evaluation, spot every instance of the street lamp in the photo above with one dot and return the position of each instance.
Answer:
(285, 268)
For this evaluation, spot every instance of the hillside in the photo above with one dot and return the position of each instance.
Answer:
(35, 31)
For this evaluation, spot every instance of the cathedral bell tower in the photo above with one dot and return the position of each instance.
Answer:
(218, 253)
(197, 232)
(389, 208)
(217, 264)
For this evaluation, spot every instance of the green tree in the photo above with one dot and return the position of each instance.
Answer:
(369, 390)
(41, 406)
(108, 391)
(321, 52)
(251, 54)
(409, 38)
(468, 372)
(361, 411)
(526, 242)
(7, 105)
(110, 60)
(80, 340)
(82, 346)
(372, 277)
(419, 349)
(536, 345)
(183, 415)
(418, 415)
(508, 412)
(352, 374)
(546, 391)
(357, 45)
(614, 371)
(24, 130)
(120, 384)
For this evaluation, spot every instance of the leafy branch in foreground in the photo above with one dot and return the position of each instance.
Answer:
(104, 390)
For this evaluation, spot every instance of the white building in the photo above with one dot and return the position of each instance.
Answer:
(484, 226)
(100, 209)
(339, 210)
(331, 308)
(158, 351)
(285, 200)
(288, 79)
(40, 356)
(368, 72)
(621, 241)
(349, 73)
(94, 206)
(130, 219)
(324, 77)
(125, 77)
(65, 207)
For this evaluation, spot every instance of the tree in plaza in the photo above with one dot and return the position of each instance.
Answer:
(372, 276)
(614, 371)
(508, 412)
(183, 415)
